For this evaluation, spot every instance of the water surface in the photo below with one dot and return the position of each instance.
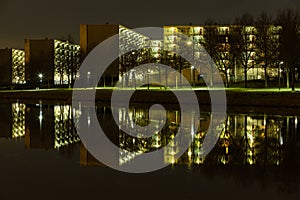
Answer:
(41, 156)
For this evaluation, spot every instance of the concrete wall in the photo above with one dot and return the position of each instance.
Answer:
(5, 67)
(39, 59)
(90, 37)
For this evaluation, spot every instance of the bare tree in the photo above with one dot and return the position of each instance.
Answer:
(243, 39)
(211, 43)
(267, 43)
(224, 55)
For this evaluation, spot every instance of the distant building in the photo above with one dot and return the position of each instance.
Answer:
(12, 67)
(51, 62)
(162, 51)
(199, 34)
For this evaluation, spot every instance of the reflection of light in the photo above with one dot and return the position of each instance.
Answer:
(41, 116)
(250, 161)
(193, 125)
(172, 161)
(281, 140)
(89, 121)
(251, 140)
(199, 160)
(125, 156)
(189, 153)
(172, 152)
(189, 43)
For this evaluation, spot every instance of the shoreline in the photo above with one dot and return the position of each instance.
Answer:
(234, 96)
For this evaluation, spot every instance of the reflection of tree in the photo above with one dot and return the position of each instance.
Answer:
(141, 118)
(231, 156)
(64, 128)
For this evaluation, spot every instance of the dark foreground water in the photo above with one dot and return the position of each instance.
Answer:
(41, 157)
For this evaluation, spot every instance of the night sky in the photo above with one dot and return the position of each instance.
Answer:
(21, 19)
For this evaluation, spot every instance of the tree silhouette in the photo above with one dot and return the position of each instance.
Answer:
(289, 42)
(267, 43)
(243, 42)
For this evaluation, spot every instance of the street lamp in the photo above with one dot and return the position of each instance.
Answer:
(41, 79)
(279, 73)
(193, 75)
(88, 79)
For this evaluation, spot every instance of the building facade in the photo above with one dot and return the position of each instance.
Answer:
(51, 62)
(92, 35)
(12, 65)
(231, 58)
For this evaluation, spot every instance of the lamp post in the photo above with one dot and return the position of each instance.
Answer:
(193, 75)
(279, 73)
(41, 79)
(88, 79)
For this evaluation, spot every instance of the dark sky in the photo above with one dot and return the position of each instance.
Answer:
(21, 19)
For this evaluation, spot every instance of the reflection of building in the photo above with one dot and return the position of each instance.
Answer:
(12, 65)
(64, 130)
(49, 127)
(244, 139)
(12, 120)
(160, 138)
(39, 122)
(86, 159)
(18, 120)
(261, 136)
(6, 120)
(50, 62)
(249, 140)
